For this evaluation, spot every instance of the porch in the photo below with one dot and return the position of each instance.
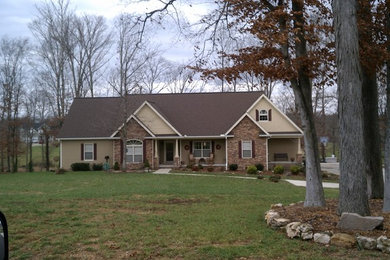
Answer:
(284, 151)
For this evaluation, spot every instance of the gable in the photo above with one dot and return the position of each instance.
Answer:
(277, 121)
(246, 127)
(153, 121)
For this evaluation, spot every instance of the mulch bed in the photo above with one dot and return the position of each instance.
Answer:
(326, 218)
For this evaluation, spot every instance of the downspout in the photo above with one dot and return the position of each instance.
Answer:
(60, 154)
(226, 153)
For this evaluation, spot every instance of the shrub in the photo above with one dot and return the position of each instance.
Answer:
(60, 171)
(279, 169)
(251, 169)
(116, 166)
(260, 177)
(97, 167)
(76, 167)
(146, 164)
(233, 167)
(274, 178)
(195, 168)
(259, 167)
(200, 166)
(295, 169)
(210, 169)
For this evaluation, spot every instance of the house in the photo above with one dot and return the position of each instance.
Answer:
(177, 130)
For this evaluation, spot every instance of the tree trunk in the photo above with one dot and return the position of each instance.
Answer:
(371, 136)
(386, 199)
(353, 184)
(47, 163)
(303, 99)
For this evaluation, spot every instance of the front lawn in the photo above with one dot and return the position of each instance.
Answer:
(111, 216)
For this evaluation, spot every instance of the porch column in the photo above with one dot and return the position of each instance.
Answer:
(177, 159)
(156, 157)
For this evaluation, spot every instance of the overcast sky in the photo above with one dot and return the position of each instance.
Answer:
(15, 15)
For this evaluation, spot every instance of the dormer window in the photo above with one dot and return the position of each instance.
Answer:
(263, 115)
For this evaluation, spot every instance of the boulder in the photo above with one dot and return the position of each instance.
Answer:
(292, 229)
(322, 238)
(353, 221)
(383, 244)
(306, 231)
(343, 240)
(366, 242)
(279, 222)
(269, 215)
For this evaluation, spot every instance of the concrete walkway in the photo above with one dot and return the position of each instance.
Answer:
(293, 182)
(324, 184)
(162, 171)
(331, 167)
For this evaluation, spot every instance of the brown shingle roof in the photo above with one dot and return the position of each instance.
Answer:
(192, 114)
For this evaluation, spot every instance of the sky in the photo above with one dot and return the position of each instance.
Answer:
(15, 15)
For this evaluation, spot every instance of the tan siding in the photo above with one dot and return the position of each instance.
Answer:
(71, 151)
(278, 123)
(154, 121)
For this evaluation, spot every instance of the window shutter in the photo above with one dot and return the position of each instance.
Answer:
(212, 147)
(121, 144)
(253, 148)
(270, 115)
(239, 149)
(82, 152)
(95, 152)
(190, 147)
(257, 115)
(144, 151)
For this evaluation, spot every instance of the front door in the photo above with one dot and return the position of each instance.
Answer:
(169, 150)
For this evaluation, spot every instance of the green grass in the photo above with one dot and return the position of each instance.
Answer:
(37, 155)
(112, 216)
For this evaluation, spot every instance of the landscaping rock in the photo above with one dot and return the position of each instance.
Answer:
(306, 231)
(366, 242)
(278, 205)
(292, 229)
(343, 240)
(383, 244)
(269, 215)
(322, 238)
(349, 221)
(279, 222)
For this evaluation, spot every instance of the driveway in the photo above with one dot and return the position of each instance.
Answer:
(331, 167)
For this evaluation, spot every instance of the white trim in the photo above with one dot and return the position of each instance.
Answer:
(93, 152)
(155, 111)
(87, 138)
(60, 154)
(132, 116)
(241, 118)
(242, 149)
(286, 135)
(284, 115)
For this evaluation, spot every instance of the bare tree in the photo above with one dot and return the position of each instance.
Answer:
(51, 29)
(154, 73)
(13, 55)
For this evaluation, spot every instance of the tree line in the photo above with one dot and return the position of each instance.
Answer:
(308, 46)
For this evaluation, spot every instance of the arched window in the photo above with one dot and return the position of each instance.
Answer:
(134, 151)
(263, 115)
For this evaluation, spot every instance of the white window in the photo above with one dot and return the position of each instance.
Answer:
(134, 151)
(202, 149)
(88, 152)
(263, 115)
(246, 147)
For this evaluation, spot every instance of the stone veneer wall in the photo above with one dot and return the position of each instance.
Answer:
(246, 130)
(135, 131)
